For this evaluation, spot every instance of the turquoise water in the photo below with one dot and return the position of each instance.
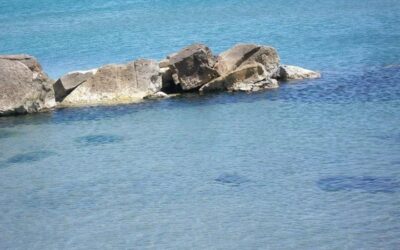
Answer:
(314, 165)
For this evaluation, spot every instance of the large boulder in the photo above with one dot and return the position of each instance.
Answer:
(117, 83)
(290, 72)
(192, 67)
(242, 54)
(68, 82)
(249, 77)
(24, 87)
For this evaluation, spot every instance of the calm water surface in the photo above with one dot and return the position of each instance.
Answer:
(310, 165)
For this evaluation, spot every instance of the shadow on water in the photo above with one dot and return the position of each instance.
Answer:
(95, 140)
(334, 87)
(29, 157)
(368, 184)
(231, 179)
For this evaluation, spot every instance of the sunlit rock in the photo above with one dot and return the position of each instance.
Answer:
(242, 54)
(249, 77)
(290, 72)
(116, 84)
(68, 82)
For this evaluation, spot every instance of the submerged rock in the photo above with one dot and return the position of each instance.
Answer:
(368, 184)
(30, 157)
(7, 133)
(290, 72)
(249, 77)
(242, 54)
(24, 87)
(231, 179)
(192, 67)
(117, 83)
(100, 139)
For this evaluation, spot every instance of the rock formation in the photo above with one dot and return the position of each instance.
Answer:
(25, 88)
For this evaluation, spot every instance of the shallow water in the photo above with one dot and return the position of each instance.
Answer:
(310, 165)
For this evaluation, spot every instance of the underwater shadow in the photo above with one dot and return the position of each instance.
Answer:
(98, 139)
(29, 157)
(231, 179)
(367, 184)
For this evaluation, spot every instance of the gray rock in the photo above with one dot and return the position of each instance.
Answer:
(116, 84)
(290, 72)
(193, 66)
(242, 54)
(249, 77)
(68, 82)
(24, 87)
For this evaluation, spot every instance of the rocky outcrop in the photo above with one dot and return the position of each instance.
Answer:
(289, 72)
(242, 54)
(192, 67)
(67, 83)
(249, 77)
(117, 83)
(24, 87)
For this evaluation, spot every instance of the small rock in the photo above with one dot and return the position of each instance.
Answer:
(157, 95)
(290, 72)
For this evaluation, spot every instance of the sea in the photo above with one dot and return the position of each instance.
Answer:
(314, 164)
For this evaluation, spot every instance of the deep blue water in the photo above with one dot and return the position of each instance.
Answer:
(311, 165)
